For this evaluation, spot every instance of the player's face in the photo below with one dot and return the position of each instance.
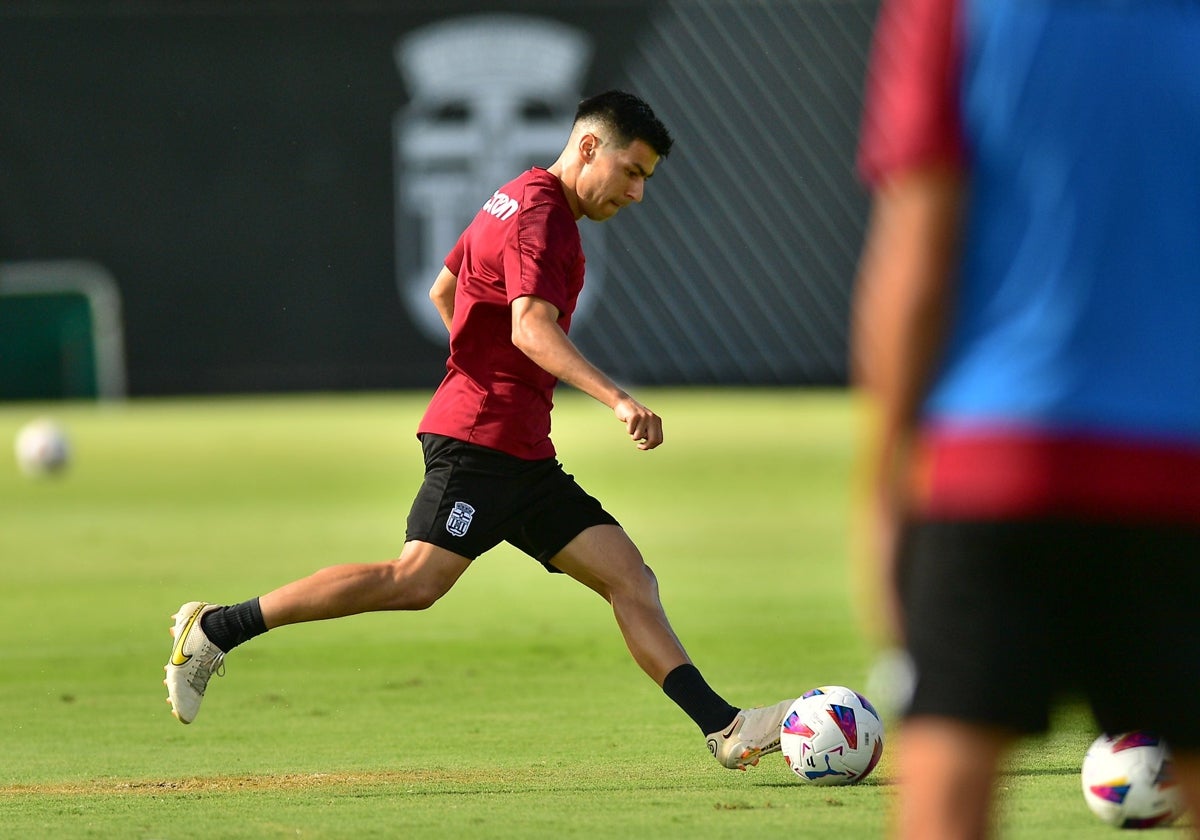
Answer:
(613, 178)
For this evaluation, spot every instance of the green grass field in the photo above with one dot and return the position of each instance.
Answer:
(511, 709)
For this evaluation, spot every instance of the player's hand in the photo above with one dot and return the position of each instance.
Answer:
(642, 424)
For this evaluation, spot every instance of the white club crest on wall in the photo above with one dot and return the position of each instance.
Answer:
(490, 96)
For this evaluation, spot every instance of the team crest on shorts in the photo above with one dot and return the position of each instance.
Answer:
(459, 519)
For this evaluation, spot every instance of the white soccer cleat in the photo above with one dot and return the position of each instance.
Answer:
(752, 734)
(194, 659)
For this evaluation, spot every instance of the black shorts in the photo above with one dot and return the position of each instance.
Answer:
(473, 498)
(1004, 618)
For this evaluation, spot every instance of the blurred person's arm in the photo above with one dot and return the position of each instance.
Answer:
(901, 306)
(911, 156)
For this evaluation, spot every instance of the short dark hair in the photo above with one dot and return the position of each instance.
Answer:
(629, 117)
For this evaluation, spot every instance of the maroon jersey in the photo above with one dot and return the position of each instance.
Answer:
(524, 241)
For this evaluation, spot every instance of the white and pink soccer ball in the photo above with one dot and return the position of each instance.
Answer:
(1128, 782)
(831, 735)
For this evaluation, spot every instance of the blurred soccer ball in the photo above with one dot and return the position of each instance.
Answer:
(41, 448)
(831, 736)
(1128, 782)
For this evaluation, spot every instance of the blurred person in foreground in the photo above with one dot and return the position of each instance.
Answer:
(1026, 333)
(506, 295)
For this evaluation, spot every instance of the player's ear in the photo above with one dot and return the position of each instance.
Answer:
(588, 144)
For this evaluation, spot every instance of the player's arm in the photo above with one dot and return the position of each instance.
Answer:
(901, 302)
(442, 295)
(903, 288)
(536, 333)
(911, 154)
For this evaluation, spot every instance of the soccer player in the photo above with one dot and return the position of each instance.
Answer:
(1025, 327)
(506, 295)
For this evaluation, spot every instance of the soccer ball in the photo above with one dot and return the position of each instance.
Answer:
(1127, 781)
(41, 448)
(832, 735)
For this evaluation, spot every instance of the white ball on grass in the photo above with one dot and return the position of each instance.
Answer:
(41, 448)
(1128, 781)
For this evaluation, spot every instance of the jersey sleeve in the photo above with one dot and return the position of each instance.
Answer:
(911, 114)
(540, 256)
(455, 258)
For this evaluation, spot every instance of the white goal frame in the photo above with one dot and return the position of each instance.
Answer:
(97, 285)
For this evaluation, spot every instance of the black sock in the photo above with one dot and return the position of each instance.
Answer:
(691, 693)
(228, 627)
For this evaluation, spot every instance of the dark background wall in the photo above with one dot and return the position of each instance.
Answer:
(233, 166)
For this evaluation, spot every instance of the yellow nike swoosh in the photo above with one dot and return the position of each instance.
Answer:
(177, 656)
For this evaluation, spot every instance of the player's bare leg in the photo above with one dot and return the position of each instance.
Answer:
(947, 777)
(415, 580)
(606, 560)
(1187, 774)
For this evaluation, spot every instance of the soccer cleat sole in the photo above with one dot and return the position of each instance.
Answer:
(167, 699)
(174, 712)
(751, 757)
(171, 630)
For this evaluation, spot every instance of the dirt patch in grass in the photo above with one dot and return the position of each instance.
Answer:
(273, 782)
